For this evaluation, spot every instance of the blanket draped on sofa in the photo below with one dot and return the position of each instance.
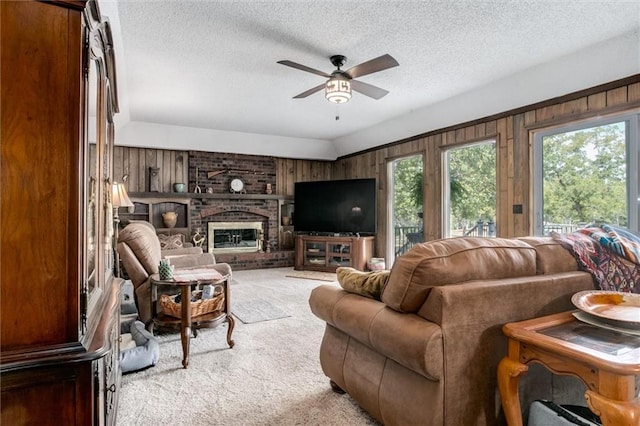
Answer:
(610, 253)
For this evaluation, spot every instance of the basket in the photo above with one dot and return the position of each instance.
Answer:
(199, 306)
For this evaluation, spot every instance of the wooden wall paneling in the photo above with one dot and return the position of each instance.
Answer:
(633, 92)
(617, 96)
(132, 168)
(182, 167)
(380, 243)
(470, 133)
(290, 177)
(490, 127)
(432, 208)
(521, 150)
(152, 161)
(504, 177)
(166, 170)
(480, 130)
(119, 155)
(597, 101)
(573, 107)
(139, 171)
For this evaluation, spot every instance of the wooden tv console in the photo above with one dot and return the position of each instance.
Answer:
(325, 253)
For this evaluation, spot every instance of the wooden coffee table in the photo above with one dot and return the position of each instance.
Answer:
(606, 361)
(187, 323)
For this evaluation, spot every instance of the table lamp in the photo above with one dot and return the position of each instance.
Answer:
(119, 198)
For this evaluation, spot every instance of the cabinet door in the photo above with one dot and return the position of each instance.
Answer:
(315, 253)
(339, 253)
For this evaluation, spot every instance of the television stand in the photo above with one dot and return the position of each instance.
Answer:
(326, 253)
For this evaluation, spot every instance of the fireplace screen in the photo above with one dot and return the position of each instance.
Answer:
(229, 237)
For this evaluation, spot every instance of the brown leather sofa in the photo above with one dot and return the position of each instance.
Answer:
(139, 250)
(427, 353)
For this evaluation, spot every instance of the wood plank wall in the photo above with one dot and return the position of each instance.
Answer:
(513, 133)
(135, 162)
(174, 167)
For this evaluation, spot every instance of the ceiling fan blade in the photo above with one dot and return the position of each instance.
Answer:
(374, 65)
(304, 68)
(309, 92)
(368, 89)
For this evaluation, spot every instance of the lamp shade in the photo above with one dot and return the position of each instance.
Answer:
(337, 90)
(119, 197)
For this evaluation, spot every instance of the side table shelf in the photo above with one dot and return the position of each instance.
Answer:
(187, 323)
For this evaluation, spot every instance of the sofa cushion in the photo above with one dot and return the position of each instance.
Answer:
(368, 284)
(551, 257)
(453, 261)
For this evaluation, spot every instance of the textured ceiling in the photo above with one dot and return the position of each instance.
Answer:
(212, 64)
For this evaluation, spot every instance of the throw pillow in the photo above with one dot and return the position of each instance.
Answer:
(368, 284)
(169, 242)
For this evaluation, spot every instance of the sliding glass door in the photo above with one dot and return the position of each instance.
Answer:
(404, 212)
(470, 190)
(586, 173)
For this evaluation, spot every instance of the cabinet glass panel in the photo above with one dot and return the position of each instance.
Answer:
(339, 254)
(315, 253)
(91, 224)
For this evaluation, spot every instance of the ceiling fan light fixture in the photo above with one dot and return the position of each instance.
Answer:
(337, 90)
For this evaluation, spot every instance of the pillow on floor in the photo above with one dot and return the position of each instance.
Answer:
(368, 284)
(145, 353)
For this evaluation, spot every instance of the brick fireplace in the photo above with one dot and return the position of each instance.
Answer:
(255, 207)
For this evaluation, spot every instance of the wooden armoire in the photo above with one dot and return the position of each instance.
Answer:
(59, 299)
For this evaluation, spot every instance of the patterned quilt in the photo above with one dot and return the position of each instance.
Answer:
(610, 253)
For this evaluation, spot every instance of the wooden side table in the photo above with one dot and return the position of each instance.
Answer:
(187, 323)
(606, 361)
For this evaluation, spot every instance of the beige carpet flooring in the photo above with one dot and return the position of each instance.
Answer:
(271, 377)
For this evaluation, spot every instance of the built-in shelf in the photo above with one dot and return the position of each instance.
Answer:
(204, 195)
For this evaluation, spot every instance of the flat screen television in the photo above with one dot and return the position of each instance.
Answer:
(335, 207)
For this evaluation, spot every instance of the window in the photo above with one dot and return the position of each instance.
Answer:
(404, 213)
(470, 190)
(586, 173)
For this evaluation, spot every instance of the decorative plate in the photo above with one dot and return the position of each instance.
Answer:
(615, 307)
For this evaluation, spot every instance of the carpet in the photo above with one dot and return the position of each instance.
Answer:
(257, 310)
(313, 275)
(271, 377)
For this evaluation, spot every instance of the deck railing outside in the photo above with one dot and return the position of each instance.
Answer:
(406, 237)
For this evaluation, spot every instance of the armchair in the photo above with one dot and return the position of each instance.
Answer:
(140, 253)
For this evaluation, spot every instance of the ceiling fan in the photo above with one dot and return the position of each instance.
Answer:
(339, 84)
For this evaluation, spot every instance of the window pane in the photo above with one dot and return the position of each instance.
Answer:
(471, 180)
(406, 214)
(584, 178)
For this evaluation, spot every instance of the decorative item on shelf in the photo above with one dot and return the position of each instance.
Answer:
(169, 219)
(154, 179)
(286, 221)
(267, 189)
(165, 270)
(198, 238)
(376, 264)
(236, 186)
(179, 187)
(267, 245)
(119, 198)
(197, 189)
(210, 190)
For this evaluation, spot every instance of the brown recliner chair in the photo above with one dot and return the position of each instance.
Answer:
(139, 250)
